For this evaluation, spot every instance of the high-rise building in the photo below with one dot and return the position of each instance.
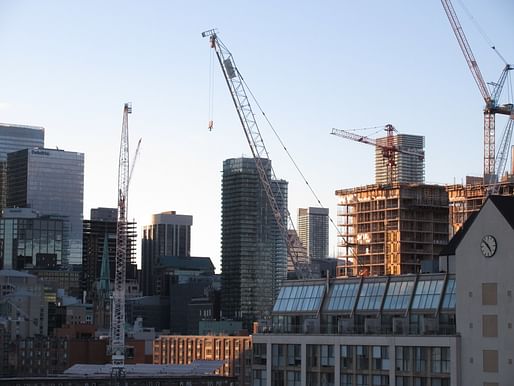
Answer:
(52, 182)
(407, 168)
(390, 230)
(29, 241)
(101, 226)
(253, 251)
(168, 234)
(14, 138)
(313, 231)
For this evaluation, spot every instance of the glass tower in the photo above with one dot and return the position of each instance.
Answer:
(253, 251)
(14, 138)
(313, 231)
(51, 182)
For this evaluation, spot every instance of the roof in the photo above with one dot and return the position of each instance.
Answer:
(451, 247)
(13, 273)
(197, 367)
(187, 263)
(504, 204)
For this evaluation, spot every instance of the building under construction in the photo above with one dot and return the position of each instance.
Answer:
(391, 229)
(466, 199)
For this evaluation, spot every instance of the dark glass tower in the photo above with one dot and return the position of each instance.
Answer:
(253, 252)
(14, 138)
(51, 182)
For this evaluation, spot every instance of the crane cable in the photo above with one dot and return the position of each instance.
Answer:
(482, 32)
(296, 166)
(211, 91)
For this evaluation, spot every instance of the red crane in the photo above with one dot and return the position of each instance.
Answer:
(389, 149)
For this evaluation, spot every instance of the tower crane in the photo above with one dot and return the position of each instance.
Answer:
(117, 346)
(491, 99)
(389, 149)
(238, 92)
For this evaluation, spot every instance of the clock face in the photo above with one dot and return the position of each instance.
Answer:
(488, 246)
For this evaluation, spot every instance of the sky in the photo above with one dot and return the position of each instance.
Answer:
(69, 66)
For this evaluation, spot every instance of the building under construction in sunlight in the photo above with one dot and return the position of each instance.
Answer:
(466, 199)
(390, 229)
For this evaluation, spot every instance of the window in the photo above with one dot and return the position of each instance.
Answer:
(327, 355)
(398, 295)
(313, 355)
(302, 298)
(420, 359)
(259, 353)
(490, 361)
(293, 378)
(294, 356)
(403, 358)
(278, 355)
(449, 295)
(371, 294)
(362, 380)
(346, 380)
(380, 358)
(427, 295)
(342, 297)
(362, 357)
(440, 360)
(346, 357)
(489, 294)
(380, 380)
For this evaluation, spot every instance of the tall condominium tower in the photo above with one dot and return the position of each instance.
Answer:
(313, 231)
(168, 234)
(408, 168)
(100, 227)
(51, 182)
(14, 138)
(253, 251)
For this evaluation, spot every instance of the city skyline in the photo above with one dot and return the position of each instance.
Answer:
(69, 68)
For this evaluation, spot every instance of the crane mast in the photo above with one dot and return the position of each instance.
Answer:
(118, 297)
(253, 136)
(491, 101)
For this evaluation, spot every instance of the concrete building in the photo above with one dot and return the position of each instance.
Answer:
(167, 234)
(100, 227)
(14, 138)
(313, 231)
(253, 252)
(408, 168)
(28, 240)
(51, 182)
(391, 229)
(234, 351)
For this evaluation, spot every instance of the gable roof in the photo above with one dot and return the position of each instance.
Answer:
(504, 204)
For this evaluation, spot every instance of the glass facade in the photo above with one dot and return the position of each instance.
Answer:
(300, 298)
(14, 138)
(342, 297)
(51, 182)
(31, 242)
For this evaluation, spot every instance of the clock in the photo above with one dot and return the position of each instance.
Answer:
(488, 246)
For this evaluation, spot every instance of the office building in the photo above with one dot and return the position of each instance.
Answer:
(313, 231)
(391, 230)
(101, 226)
(167, 234)
(51, 182)
(253, 251)
(14, 138)
(234, 351)
(407, 168)
(452, 328)
(29, 241)
(296, 251)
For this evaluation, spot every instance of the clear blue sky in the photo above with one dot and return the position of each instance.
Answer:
(70, 65)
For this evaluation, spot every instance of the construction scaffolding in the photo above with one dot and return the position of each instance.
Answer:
(467, 199)
(390, 229)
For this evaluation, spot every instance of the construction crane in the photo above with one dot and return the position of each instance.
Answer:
(117, 345)
(491, 99)
(389, 149)
(237, 88)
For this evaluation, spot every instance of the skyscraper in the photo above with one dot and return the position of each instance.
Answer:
(168, 234)
(313, 231)
(14, 138)
(408, 168)
(51, 182)
(253, 251)
(101, 227)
